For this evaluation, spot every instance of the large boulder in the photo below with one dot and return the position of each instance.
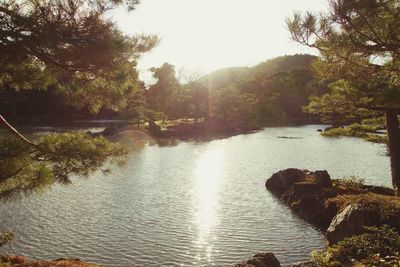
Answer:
(314, 197)
(260, 260)
(351, 221)
(283, 180)
(308, 199)
(322, 178)
(305, 192)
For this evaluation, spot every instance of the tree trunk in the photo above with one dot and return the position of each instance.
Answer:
(393, 131)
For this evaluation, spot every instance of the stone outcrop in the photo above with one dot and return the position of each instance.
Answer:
(305, 192)
(308, 199)
(342, 209)
(351, 221)
(321, 178)
(269, 260)
(283, 180)
(260, 260)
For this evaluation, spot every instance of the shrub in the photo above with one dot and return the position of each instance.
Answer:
(365, 131)
(377, 121)
(378, 246)
(6, 238)
(344, 131)
(351, 181)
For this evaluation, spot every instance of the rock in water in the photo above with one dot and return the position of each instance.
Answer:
(323, 178)
(283, 180)
(261, 260)
(305, 192)
(307, 199)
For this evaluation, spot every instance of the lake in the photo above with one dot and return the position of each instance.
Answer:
(193, 204)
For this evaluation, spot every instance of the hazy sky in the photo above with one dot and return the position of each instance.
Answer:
(204, 35)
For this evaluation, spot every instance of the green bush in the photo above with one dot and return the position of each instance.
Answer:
(6, 238)
(350, 131)
(365, 131)
(374, 121)
(378, 246)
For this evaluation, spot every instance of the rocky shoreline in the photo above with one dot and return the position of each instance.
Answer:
(340, 208)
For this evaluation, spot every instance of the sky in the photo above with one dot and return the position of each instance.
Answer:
(199, 36)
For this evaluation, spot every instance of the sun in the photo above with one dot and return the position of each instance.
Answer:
(210, 34)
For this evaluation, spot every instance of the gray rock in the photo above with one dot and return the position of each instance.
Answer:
(351, 221)
(261, 260)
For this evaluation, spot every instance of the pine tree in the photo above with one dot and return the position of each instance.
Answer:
(359, 41)
(71, 47)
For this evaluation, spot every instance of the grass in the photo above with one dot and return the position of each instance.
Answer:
(378, 246)
(384, 206)
(365, 131)
(351, 181)
(164, 124)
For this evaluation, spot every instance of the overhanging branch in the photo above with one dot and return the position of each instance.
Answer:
(14, 132)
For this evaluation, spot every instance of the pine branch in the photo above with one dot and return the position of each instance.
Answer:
(14, 132)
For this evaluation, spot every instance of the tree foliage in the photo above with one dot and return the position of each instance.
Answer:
(56, 158)
(359, 42)
(271, 92)
(337, 107)
(70, 48)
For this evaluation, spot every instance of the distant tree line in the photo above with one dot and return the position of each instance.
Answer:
(272, 92)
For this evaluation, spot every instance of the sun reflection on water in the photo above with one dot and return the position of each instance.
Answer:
(209, 172)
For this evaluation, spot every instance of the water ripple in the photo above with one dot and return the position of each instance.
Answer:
(195, 204)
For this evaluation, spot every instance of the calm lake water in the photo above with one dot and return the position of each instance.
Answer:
(193, 204)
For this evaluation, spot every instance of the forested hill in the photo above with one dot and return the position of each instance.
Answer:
(273, 91)
(284, 64)
(230, 75)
